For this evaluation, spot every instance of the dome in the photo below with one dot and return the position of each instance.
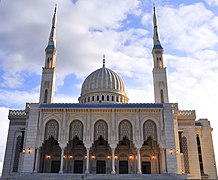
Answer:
(103, 86)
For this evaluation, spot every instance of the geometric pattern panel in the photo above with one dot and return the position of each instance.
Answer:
(125, 130)
(185, 153)
(149, 130)
(51, 130)
(101, 130)
(76, 130)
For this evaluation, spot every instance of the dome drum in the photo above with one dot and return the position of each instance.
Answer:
(102, 97)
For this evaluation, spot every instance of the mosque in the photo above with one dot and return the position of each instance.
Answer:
(103, 133)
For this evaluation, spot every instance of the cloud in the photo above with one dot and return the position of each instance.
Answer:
(212, 2)
(188, 28)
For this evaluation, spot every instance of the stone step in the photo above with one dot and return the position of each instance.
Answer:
(57, 176)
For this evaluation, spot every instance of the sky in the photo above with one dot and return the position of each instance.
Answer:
(120, 29)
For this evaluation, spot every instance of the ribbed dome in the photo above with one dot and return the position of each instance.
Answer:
(103, 82)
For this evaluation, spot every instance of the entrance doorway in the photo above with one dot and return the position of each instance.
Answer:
(146, 167)
(101, 167)
(123, 167)
(55, 166)
(78, 166)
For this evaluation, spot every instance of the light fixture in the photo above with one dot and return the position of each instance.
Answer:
(48, 156)
(153, 157)
(116, 157)
(177, 151)
(131, 157)
(65, 157)
(29, 150)
(93, 157)
(108, 157)
(71, 157)
(85, 157)
(171, 151)
(23, 151)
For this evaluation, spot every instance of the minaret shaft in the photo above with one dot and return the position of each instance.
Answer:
(159, 71)
(48, 71)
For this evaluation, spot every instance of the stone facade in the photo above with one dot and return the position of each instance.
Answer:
(104, 134)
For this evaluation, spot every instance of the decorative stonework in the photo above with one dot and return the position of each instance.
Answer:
(150, 130)
(51, 130)
(76, 130)
(101, 130)
(125, 130)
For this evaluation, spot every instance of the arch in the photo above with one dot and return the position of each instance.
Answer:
(149, 130)
(51, 129)
(76, 130)
(100, 130)
(17, 153)
(125, 130)
(161, 96)
(46, 96)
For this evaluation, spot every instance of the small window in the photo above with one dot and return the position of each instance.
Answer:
(117, 99)
(102, 98)
(88, 99)
(93, 98)
(97, 98)
(108, 98)
(112, 98)
(85, 100)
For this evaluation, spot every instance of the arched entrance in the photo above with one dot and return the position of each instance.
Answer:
(125, 153)
(150, 151)
(75, 152)
(50, 157)
(100, 152)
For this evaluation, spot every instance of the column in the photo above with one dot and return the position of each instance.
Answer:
(37, 160)
(62, 160)
(113, 161)
(87, 160)
(139, 162)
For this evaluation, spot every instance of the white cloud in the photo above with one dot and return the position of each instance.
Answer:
(212, 2)
(188, 28)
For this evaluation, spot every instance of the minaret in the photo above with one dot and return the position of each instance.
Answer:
(159, 71)
(48, 71)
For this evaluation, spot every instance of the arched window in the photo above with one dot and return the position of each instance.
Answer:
(76, 130)
(17, 154)
(46, 96)
(101, 130)
(185, 153)
(200, 154)
(125, 130)
(161, 96)
(51, 130)
(150, 130)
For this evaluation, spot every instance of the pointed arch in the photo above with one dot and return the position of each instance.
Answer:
(46, 96)
(51, 129)
(76, 130)
(100, 130)
(125, 130)
(149, 130)
(161, 96)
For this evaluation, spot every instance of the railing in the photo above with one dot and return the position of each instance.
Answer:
(17, 113)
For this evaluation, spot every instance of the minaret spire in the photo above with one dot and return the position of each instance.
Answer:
(52, 37)
(156, 40)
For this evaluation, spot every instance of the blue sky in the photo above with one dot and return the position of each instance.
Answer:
(121, 29)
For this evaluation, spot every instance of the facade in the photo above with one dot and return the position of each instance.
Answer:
(103, 133)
